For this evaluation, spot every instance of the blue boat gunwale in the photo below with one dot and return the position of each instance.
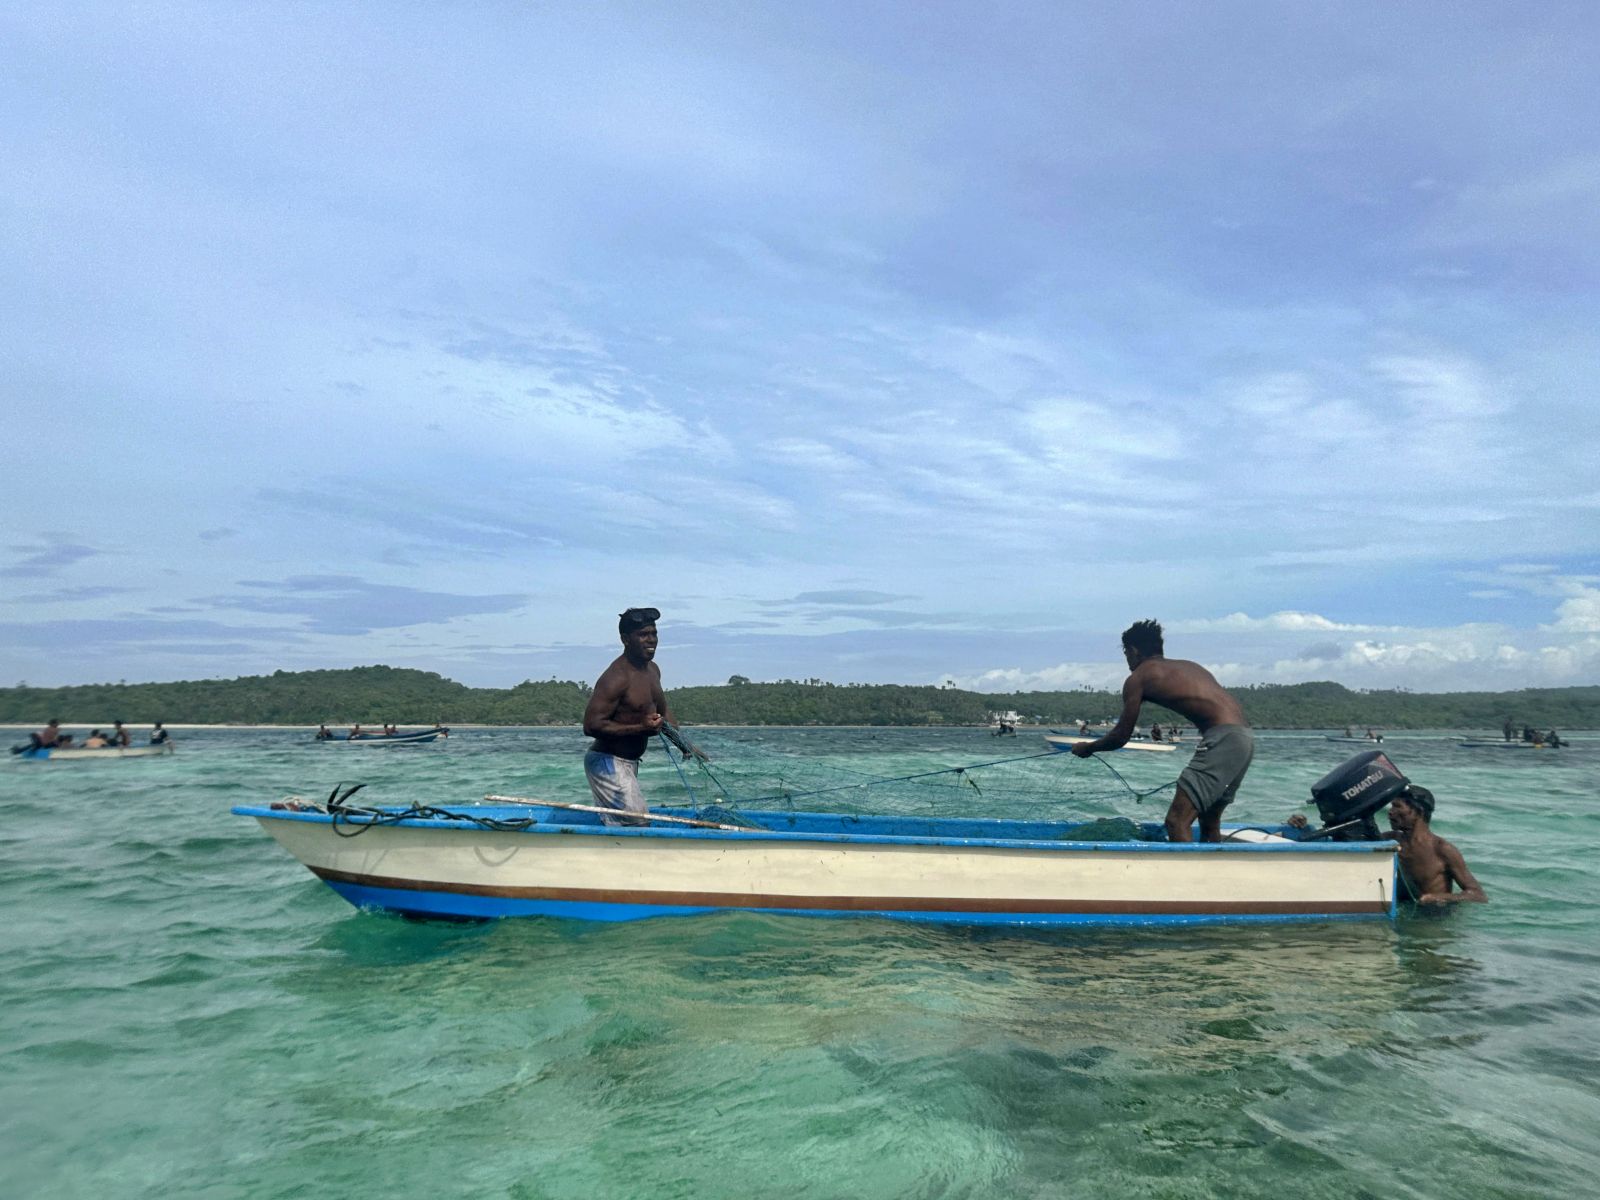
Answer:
(555, 828)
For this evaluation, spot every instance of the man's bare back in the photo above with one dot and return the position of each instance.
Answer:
(1211, 780)
(1188, 689)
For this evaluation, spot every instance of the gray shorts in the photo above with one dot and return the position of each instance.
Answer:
(1213, 775)
(615, 783)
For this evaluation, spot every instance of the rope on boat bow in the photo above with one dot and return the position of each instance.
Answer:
(352, 820)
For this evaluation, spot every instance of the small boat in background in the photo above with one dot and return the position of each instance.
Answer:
(1004, 724)
(52, 753)
(1501, 744)
(1063, 742)
(384, 739)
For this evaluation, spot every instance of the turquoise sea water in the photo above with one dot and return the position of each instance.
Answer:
(186, 1011)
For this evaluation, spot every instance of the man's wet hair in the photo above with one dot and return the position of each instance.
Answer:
(1143, 636)
(1421, 799)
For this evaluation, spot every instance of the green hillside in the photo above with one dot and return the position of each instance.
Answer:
(406, 697)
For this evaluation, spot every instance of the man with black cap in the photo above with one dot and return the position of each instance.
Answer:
(626, 709)
(1429, 865)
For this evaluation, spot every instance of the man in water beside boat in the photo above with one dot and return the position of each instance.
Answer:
(626, 709)
(1429, 865)
(1211, 780)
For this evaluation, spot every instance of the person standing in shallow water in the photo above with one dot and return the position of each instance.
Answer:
(1211, 780)
(1429, 864)
(626, 709)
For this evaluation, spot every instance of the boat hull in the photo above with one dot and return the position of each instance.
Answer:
(1490, 744)
(596, 872)
(53, 753)
(384, 739)
(1065, 742)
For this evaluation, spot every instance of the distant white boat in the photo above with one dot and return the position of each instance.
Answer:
(52, 753)
(1064, 742)
(385, 739)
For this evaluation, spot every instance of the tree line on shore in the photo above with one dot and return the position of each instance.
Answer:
(403, 696)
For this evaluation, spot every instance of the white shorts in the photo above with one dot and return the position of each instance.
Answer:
(615, 784)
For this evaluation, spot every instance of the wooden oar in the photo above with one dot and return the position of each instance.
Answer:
(617, 812)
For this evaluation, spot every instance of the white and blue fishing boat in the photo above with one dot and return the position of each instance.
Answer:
(516, 860)
(90, 754)
(513, 856)
(1501, 744)
(420, 737)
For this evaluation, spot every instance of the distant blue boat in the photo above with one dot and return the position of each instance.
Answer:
(384, 739)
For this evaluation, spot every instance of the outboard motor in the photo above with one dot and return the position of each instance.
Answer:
(1349, 796)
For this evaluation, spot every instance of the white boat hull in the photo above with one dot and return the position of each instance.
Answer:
(420, 738)
(52, 753)
(610, 873)
(1065, 742)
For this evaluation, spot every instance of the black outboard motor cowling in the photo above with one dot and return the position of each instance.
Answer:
(1354, 791)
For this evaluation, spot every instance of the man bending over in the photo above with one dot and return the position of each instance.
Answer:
(1211, 780)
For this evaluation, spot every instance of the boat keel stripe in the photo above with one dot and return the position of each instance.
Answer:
(854, 903)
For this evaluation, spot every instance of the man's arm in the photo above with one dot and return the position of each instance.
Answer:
(659, 696)
(1471, 890)
(1132, 699)
(670, 722)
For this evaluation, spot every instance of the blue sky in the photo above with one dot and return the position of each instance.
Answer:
(870, 342)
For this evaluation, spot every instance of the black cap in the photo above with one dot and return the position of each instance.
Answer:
(637, 618)
(1421, 799)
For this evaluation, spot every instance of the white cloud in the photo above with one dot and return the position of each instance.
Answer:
(1062, 677)
(1286, 622)
(1579, 612)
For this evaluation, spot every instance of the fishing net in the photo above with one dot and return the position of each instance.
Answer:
(744, 778)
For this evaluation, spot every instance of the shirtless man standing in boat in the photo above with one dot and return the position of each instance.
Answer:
(626, 709)
(1211, 780)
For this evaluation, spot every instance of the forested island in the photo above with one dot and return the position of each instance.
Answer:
(402, 696)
